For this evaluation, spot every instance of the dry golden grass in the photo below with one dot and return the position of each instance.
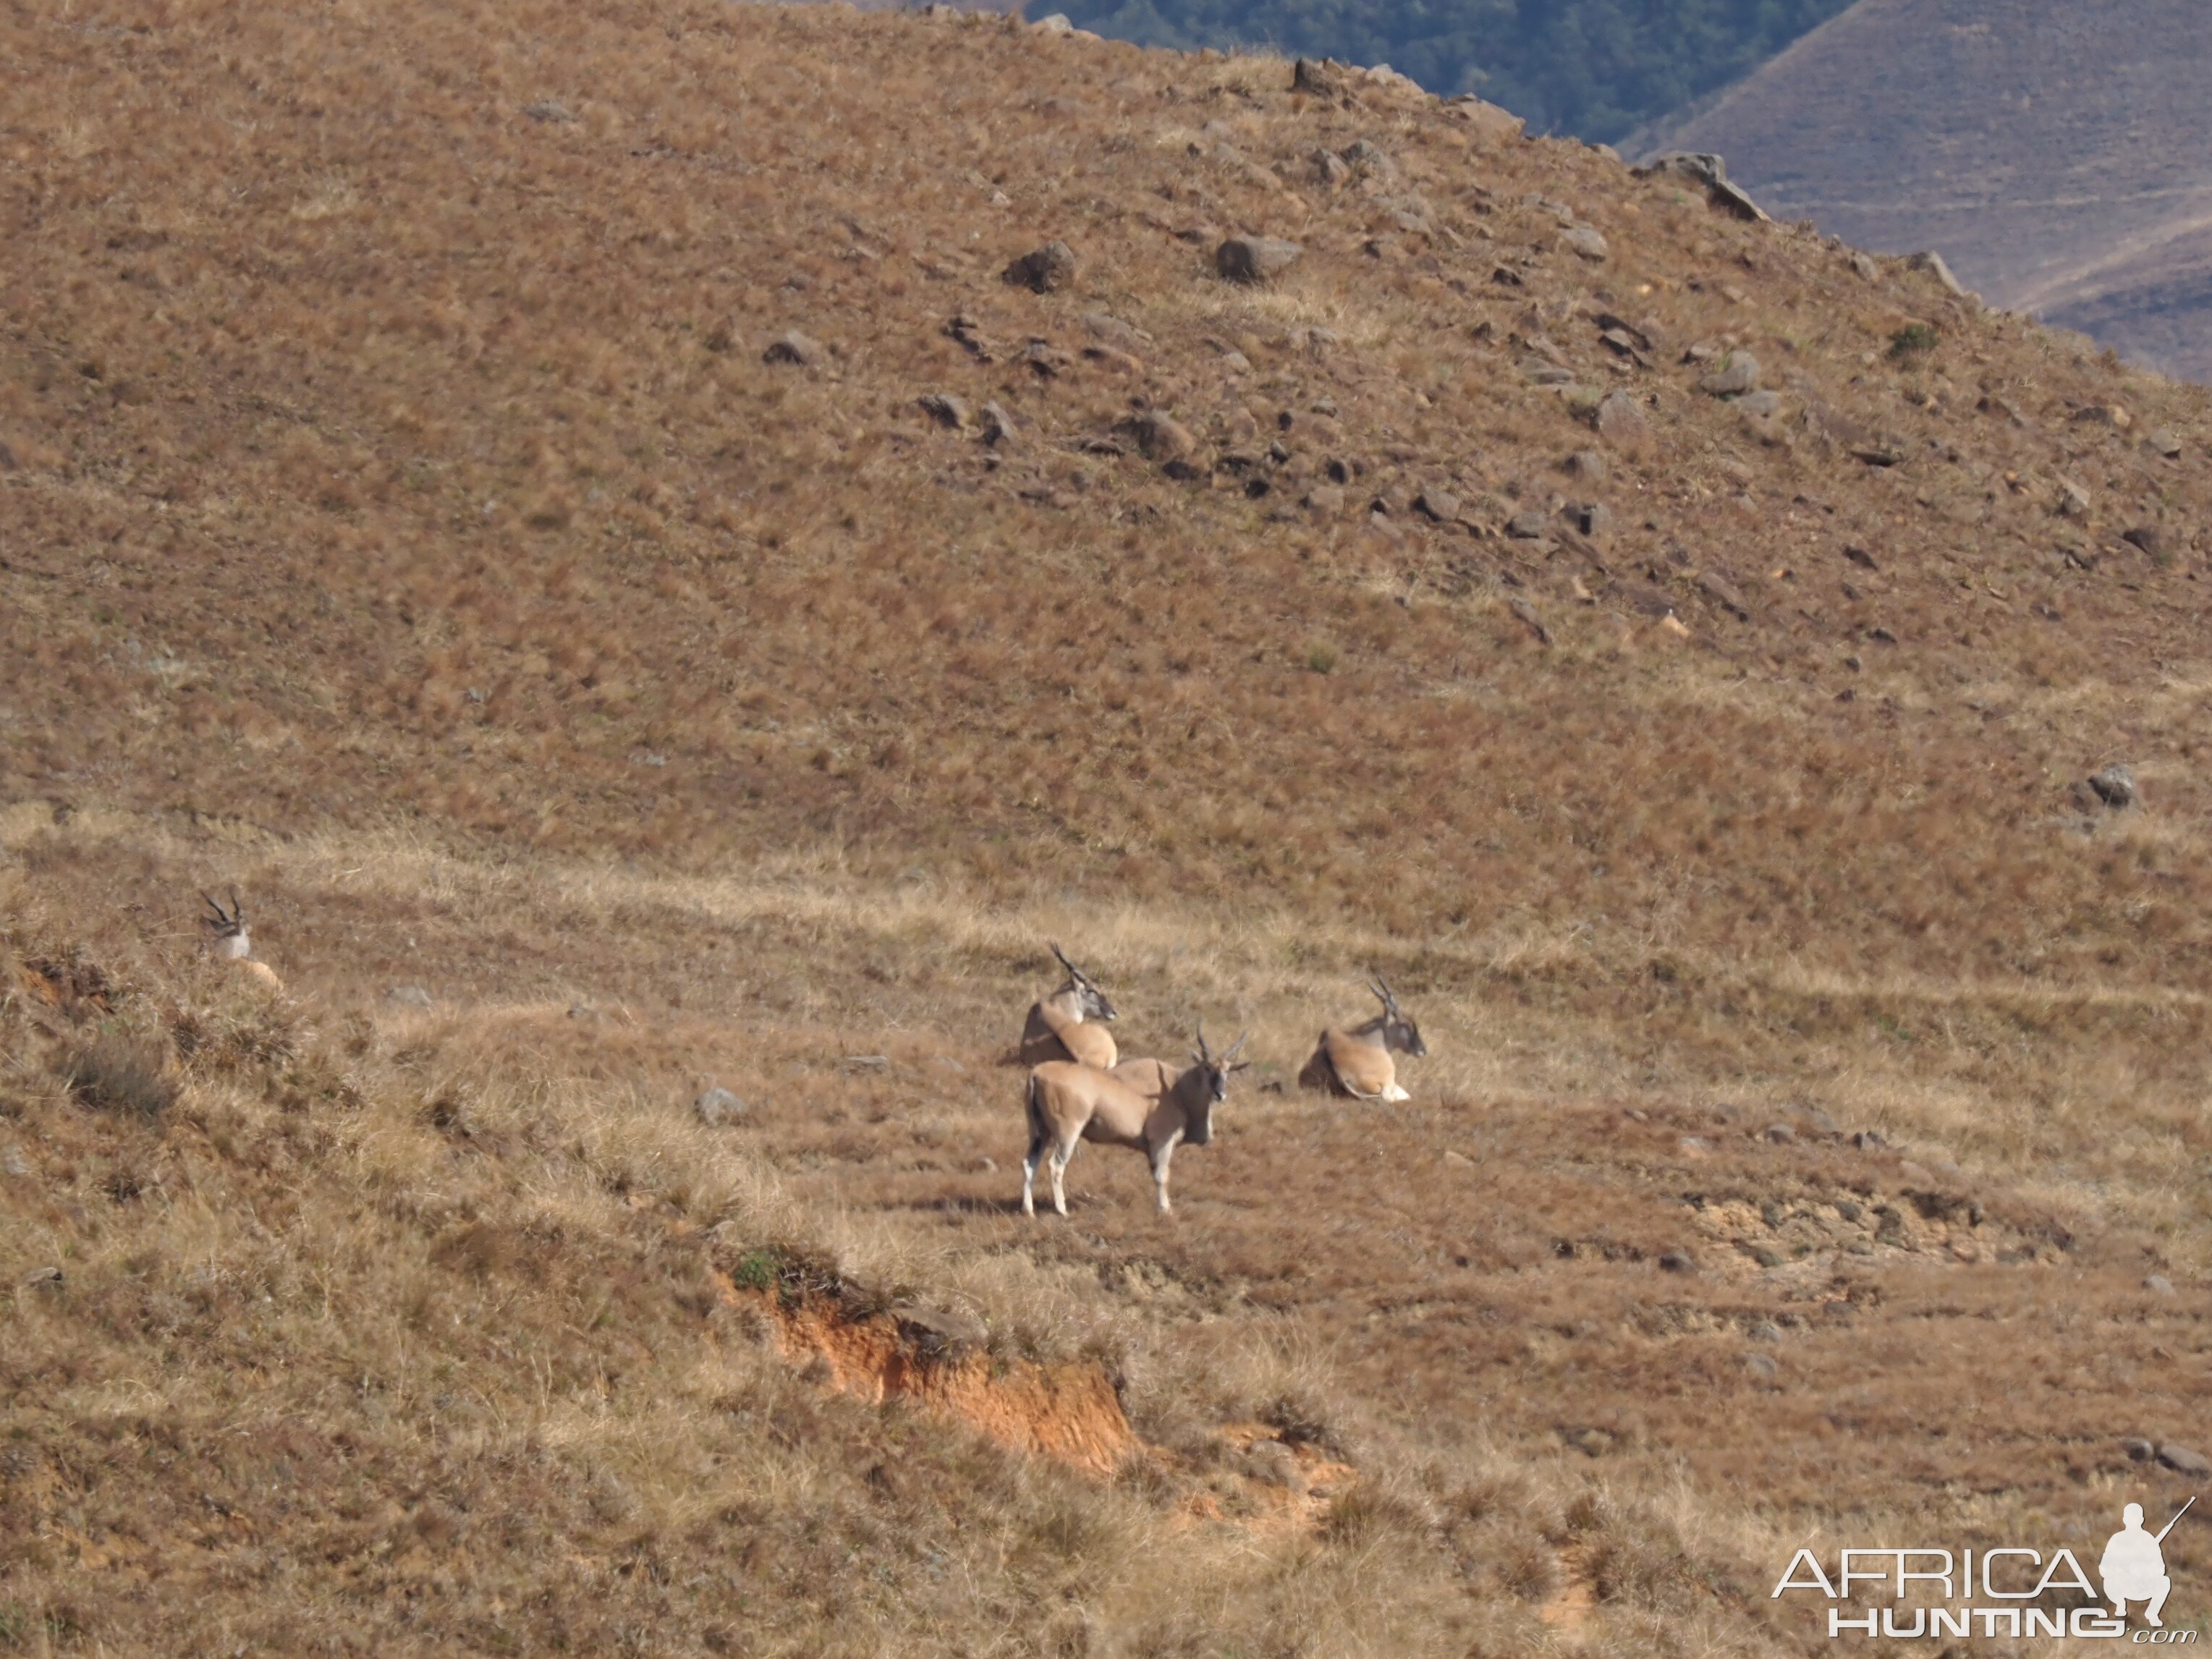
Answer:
(398, 519)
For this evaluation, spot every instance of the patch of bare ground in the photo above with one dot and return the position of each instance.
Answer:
(420, 515)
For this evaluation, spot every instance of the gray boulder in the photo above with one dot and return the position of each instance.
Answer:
(1255, 258)
(718, 1108)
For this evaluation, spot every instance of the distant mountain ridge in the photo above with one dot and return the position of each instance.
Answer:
(2054, 152)
(1588, 69)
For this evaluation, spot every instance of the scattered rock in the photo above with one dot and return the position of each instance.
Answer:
(792, 347)
(41, 1279)
(2159, 1284)
(1590, 518)
(1712, 171)
(1588, 466)
(1692, 1147)
(11, 1162)
(1058, 23)
(1738, 373)
(1868, 1139)
(1273, 1462)
(1781, 1133)
(1457, 1159)
(1043, 270)
(1760, 405)
(1677, 1261)
(945, 409)
(1583, 240)
(1113, 332)
(971, 337)
(1255, 258)
(586, 1011)
(1933, 263)
(1369, 160)
(1859, 555)
(997, 426)
(1321, 76)
(1525, 614)
(2138, 1451)
(1716, 587)
(717, 1108)
(1761, 1364)
(1161, 437)
(1821, 1123)
(2179, 1459)
(1488, 118)
(939, 1330)
(549, 109)
(1621, 422)
(1441, 505)
(1329, 168)
(867, 1062)
(2147, 537)
(1864, 266)
(2116, 786)
(1528, 527)
(1765, 1331)
(408, 996)
(2163, 442)
(2073, 500)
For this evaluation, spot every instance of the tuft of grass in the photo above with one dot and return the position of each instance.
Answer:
(129, 1075)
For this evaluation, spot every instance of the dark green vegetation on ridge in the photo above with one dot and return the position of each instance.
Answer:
(1591, 68)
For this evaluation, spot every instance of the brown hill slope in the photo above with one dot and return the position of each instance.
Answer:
(406, 516)
(2054, 153)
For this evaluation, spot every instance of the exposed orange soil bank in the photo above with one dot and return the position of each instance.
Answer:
(1069, 1412)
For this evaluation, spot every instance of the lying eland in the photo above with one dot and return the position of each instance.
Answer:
(1357, 1061)
(234, 944)
(1061, 1026)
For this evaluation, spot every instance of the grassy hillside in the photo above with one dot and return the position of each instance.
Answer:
(1593, 69)
(415, 511)
(2054, 153)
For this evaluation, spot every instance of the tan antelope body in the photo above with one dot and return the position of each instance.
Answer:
(1068, 1104)
(1356, 1061)
(234, 944)
(1068, 1023)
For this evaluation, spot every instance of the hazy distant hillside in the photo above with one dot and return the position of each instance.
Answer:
(1590, 67)
(2053, 151)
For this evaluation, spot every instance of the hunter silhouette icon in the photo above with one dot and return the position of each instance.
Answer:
(2133, 1567)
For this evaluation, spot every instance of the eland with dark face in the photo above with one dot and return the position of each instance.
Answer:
(1356, 1061)
(233, 942)
(1068, 1104)
(1070, 1024)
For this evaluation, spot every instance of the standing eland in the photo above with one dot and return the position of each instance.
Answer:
(1068, 1104)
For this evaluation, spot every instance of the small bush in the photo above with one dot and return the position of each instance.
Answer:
(121, 1074)
(1322, 659)
(1913, 340)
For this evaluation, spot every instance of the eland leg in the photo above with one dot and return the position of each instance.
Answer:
(1038, 1141)
(1160, 1161)
(1060, 1154)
